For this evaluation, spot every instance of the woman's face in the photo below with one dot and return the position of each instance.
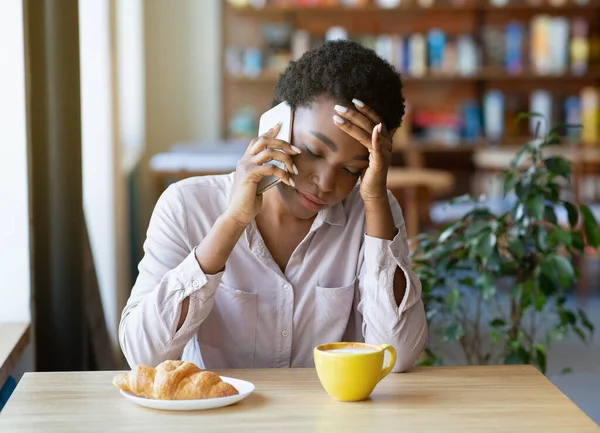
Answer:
(330, 164)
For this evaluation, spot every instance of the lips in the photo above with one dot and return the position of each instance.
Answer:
(310, 201)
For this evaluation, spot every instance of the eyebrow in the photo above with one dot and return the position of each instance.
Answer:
(330, 144)
(361, 158)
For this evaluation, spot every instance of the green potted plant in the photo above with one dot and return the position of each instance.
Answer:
(497, 284)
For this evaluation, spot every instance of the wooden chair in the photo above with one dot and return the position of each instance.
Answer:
(414, 188)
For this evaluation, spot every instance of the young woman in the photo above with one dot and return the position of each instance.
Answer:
(231, 279)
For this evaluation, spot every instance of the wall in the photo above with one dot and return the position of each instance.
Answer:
(182, 71)
(15, 289)
(182, 85)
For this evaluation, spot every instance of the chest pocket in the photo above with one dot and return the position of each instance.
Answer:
(333, 306)
(227, 338)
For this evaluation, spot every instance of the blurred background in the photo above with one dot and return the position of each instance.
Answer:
(171, 89)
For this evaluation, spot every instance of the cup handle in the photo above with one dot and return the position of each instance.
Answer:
(391, 360)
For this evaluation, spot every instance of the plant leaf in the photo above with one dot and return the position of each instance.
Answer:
(567, 317)
(550, 214)
(535, 206)
(578, 242)
(580, 334)
(551, 140)
(541, 357)
(518, 212)
(517, 248)
(485, 283)
(552, 191)
(465, 198)
(516, 161)
(547, 285)
(524, 355)
(540, 234)
(561, 237)
(475, 228)
(591, 226)
(559, 269)
(518, 292)
(585, 320)
(448, 232)
(512, 358)
(486, 244)
(453, 300)
(521, 191)
(526, 115)
(453, 332)
(558, 165)
(509, 183)
(572, 212)
(563, 126)
(497, 322)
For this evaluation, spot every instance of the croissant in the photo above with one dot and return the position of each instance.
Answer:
(173, 380)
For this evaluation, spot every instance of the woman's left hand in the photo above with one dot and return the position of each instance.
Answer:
(365, 126)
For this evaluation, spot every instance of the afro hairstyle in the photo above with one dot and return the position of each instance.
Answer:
(343, 70)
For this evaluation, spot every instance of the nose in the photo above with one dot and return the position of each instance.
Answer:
(324, 179)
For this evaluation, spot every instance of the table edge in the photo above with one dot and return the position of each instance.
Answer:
(6, 365)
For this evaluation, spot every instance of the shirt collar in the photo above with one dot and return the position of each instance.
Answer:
(334, 215)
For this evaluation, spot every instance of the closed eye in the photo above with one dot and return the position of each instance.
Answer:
(352, 172)
(311, 153)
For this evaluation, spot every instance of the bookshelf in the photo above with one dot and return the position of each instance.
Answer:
(434, 91)
(412, 8)
(591, 77)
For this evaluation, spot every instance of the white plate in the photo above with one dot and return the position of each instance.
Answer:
(244, 388)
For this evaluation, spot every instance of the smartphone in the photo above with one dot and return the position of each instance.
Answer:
(280, 113)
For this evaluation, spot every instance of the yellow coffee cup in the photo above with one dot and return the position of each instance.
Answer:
(350, 371)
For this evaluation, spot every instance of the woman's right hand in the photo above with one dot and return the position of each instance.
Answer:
(252, 167)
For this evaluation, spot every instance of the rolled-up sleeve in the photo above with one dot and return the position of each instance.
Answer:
(168, 273)
(384, 322)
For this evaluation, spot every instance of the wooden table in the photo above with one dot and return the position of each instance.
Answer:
(14, 337)
(430, 399)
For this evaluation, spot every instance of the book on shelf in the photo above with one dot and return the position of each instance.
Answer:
(493, 115)
(300, 43)
(541, 103)
(252, 62)
(471, 121)
(540, 44)
(579, 46)
(514, 48)
(514, 104)
(467, 55)
(436, 45)
(417, 50)
(384, 47)
(494, 46)
(590, 116)
(572, 115)
(559, 41)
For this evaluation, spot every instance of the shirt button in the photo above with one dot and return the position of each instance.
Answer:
(195, 283)
(285, 333)
(286, 287)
